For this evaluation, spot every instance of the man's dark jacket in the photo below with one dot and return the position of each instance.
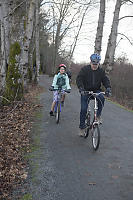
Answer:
(90, 80)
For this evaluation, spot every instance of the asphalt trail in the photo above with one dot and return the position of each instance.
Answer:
(65, 166)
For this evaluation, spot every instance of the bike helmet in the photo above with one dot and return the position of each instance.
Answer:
(95, 58)
(62, 65)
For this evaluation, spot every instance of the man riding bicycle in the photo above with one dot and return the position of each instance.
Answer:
(90, 78)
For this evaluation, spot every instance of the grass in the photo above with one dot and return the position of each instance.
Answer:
(121, 106)
(27, 197)
(34, 150)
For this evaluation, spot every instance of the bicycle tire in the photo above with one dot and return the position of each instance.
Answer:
(95, 136)
(87, 129)
(58, 113)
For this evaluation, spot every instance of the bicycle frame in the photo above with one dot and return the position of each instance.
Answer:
(94, 95)
(94, 125)
(58, 102)
(57, 107)
(95, 108)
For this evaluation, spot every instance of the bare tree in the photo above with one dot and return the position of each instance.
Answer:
(109, 57)
(99, 34)
(111, 46)
(63, 8)
(73, 46)
(66, 16)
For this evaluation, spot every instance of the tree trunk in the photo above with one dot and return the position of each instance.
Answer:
(99, 34)
(37, 41)
(109, 57)
(27, 40)
(63, 8)
(56, 46)
(4, 40)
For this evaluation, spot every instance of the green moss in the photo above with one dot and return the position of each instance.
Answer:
(14, 86)
(35, 151)
(25, 25)
(25, 38)
(27, 197)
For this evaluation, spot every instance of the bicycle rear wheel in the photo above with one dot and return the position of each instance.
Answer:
(95, 137)
(58, 113)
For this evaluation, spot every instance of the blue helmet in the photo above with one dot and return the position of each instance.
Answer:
(95, 58)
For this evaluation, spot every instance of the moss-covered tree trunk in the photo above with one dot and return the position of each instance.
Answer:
(14, 85)
(18, 69)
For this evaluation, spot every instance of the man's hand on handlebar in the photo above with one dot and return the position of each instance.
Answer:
(81, 90)
(108, 92)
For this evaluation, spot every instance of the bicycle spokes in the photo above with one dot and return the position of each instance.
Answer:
(95, 137)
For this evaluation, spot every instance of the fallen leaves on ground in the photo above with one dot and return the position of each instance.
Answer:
(15, 125)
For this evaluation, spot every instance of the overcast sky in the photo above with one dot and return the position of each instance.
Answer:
(85, 44)
(85, 47)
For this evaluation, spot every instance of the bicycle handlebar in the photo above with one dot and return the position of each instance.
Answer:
(59, 89)
(92, 93)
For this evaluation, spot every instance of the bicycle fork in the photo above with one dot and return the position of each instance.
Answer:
(95, 109)
(56, 105)
(88, 117)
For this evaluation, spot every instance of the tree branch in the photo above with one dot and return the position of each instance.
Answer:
(15, 9)
(45, 3)
(126, 38)
(125, 17)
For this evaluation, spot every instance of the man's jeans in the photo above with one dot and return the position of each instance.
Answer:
(84, 106)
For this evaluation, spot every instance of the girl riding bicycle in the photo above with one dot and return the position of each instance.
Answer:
(60, 80)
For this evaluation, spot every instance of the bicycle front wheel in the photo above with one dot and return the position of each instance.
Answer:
(95, 137)
(58, 113)
(87, 123)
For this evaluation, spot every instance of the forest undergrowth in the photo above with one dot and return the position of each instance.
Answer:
(15, 126)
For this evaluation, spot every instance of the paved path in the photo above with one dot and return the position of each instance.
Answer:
(65, 166)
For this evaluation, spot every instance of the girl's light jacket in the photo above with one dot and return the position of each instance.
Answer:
(61, 80)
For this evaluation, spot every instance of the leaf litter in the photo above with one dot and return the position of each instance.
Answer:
(15, 126)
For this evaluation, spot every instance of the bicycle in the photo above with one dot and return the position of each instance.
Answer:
(92, 125)
(57, 108)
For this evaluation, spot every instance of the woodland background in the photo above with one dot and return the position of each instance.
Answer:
(34, 35)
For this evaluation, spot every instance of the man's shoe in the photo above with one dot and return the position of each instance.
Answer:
(82, 132)
(51, 113)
